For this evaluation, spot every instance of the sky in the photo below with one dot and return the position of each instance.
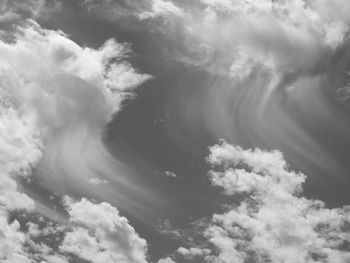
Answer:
(173, 131)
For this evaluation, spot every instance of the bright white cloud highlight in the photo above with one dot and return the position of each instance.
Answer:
(101, 235)
(272, 222)
(161, 8)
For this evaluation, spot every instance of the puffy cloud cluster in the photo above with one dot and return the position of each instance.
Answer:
(11, 240)
(95, 233)
(268, 220)
(271, 221)
(45, 69)
(294, 34)
(287, 37)
(235, 38)
(100, 235)
(20, 148)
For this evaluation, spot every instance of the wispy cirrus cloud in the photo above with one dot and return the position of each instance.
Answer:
(56, 98)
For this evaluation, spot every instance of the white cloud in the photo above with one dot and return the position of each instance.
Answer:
(11, 241)
(272, 222)
(294, 36)
(102, 235)
(52, 93)
(54, 259)
(162, 8)
(97, 181)
(166, 260)
(193, 252)
(58, 97)
(171, 174)
(19, 149)
(268, 220)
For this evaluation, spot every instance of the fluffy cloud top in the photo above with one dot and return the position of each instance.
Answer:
(272, 222)
(268, 219)
(293, 36)
(102, 235)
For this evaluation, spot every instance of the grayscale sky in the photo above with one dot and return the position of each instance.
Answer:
(172, 131)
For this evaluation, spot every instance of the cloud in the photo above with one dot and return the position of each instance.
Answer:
(266, 218)
(271, 221)
(193, 252)
(65, 95)
(55, 99)
(295, 36)
(161, 8)
(100, 234)
(11, 241)
(166, 228)
(253, 55)
(14, 13)
(166, 260)
(171, 174)
(224, 37)
(19, 149)
(97, 181)
(95, 233)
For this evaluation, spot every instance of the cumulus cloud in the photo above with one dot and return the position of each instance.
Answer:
(101, 235)
(20, 148)
(95, 233)
(11, 241)
(295, 36)
(270, 221)
(292, 34)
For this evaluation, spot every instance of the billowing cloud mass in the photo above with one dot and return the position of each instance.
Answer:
(56, 97)
(292, 36)
(268, 219)
(102, 235)
(63, 95)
